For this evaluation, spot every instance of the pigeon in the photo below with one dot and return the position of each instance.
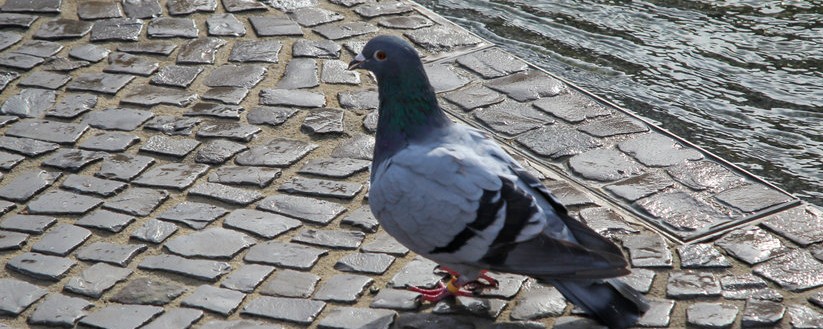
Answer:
(451, 194)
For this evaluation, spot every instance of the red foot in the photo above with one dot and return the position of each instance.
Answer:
(453, 288)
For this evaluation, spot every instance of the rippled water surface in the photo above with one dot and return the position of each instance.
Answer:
(742, 79)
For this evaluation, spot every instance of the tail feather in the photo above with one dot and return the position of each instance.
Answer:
(613, 302)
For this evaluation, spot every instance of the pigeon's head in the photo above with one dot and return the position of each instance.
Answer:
(387, 55)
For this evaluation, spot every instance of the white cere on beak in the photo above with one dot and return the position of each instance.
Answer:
(360, 57)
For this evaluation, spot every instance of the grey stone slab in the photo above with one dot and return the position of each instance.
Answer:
(419, 272)
(123, 166)
(39, 266)
(659, 313)
(313, 16)
(7, 77)
(657, 150)
(362, 219)
(337, 31)
(762, 313)
(214, 242)
(572, 107)
(640, 279)
(441, 38)
(62, 64)
(527, 85)
(568, 194)
(343, 288)
(613, 125)
(238, 324)
(116, 316)
(97, 9)
(648, 251)
(227, 95)
(557, 141)
(272, 26)
(361, 146)
(215, 110)
(607, 222)
(29, 102)
(384, 243)
(802, 225)
(61, 240)
(218, 151)
(229, 130)
(337, 239)
(116, 29)
(321, 187)
(290, 5)
(34, 224)
(278, 152)
(109, 141)
(225, 193)
(71, 105)
(478, 307)
(18, 295)
(702, 175)
(307, 209)
(150, 95)
(702, 255)
(711, 315)
(225, 25)
(234, 6)
(299, 73)
(316, 48)
(27, 184)
(474, 97)
(154, 231)
(170, 146)
(508, 285)
(291, 283)
(247, 277)
(96, 280)
(176, 75)
(73, 159)
(803, 316)
(243, 175)
(62, 203)
(692, 284)
(20, 61)
(130, 64)
(396, 299)
(39, 48)
(42, 79)
(298, 310)
(323, 121)
(492, 63)
(59, 310)
(172, 125)
(8, 38)
(175, 318)
(298, 98)
(142, 8)
(335, 167)
(199, 51)
(266, 51)
(337, 72)
(817, 298)
(207, 270)
(371, 10)
(641, 186)
(753, 197)
(137, 201)
(682, 212)
(444, 78)
(172, 27)
(105, 220)
(17, 20)
(183, 7)
(12, 240)
(151, 47)
(106, 83)
(260, 223)
(117, 118)
(113, 253)
(752, 245)
(429, 320)
(26, 146)
(406, 22)
(148, 292)
(194, 214)
(7, 119)
(218, 300)
(356, 317)
(270, 115)
(9, 161)
(364, 263)
(230, 75)
(288, 255)
(358, 100)
(512, 118)
(794, 271)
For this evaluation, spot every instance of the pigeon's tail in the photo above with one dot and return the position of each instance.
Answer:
(613, 302)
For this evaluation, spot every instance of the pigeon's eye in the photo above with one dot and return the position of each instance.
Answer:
(380, 55)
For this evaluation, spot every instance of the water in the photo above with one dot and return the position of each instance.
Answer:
(742, 79)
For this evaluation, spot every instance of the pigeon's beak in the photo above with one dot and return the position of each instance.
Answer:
(355, 64)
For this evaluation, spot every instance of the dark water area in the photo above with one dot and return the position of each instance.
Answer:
(742, 79)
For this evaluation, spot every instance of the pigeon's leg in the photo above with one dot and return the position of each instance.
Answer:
(453, 288)
(475, 285)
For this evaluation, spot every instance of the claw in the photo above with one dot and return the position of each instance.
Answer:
(441, 292)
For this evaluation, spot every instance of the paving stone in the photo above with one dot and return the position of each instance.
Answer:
(130, 64)
(229, 130)
(27, 184)
(214, 242)
(538, 301)
(613, 125)
(512, 118)
(71, 105)
(62, 203)
(20, 61)
(640, 279)
(176, 318)
(656, 150)
(96, 279)
(610, 165)
(17, 20)
(225, 25)
(218, 151)
(172, 175)
(116, 29)
(39, 266)
(343, 288)
(8, 38)
(802, 225)
(817, 298)
(243, 175)
(364, 263)
(142, 8)
(59, 310)
(154, 231)
(336, 72)
(568, 194)
(271, 26)
(176, 75)
(441, 38)
(476, 96)
(7, 119)
(183, 7)
(356, 317)
(485, 308)
(803, 316)
(410, 22)
(682, 212)
(105, 220)
(199, 51)
(148, 292)
(115, 316)
(429, 320)
(443, 77)
(224, 193)
(117, 118)
(137, 201)
(518, 325)
(7, 77)
(62, 64)
(29, 103)
(313, 16)
(218, 300)
(285, 97)
(196, 215)
(753, 197)
(237, 324)
(200, 269)
(527, 86)
(300, 73)
(290, 5)
(316, 48)
(745, 286)
(307, 209)
(61, 240)
(321, 187)
(751, 245)
(290, 283)
(123, 166)
(34, 224)
(39, 48)
(573, 107)
(371, 10)
(227, 95)
(12, 240)
(338, 239)
(106, 83)
(648, 251)
(324, 121)
(25, 146)
(117, 254)
(18, 295)
(762, 313)
(641, 186)
(298, 310)
(247, 277)
(359, 100)
(233, 6)
(152, 47)
(265, 51)
(492, 63)
(73, 159)
(278, 152)
(221, 111)
(508, 285)
(711, 315)
(384, 243)
(692, 284)
(109, 141)
(260, 223)
(281, 254)
(370, 121)
(362, 219)
(9, 161)
(419, 272)
(334, 167)
(702, 255)
(172, 27)
(230, 75)
(337, 31)
(45, 79)
(557, 141)
(794, 271)
(659, 313)
(702, 175)
(396, 299)
(606, 222)
(98, 9)
(170, 146)
(150, 95)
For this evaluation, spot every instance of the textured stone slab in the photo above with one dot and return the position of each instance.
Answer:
(802, 225)
(218, 300)
(148, 292)
(247, 277)
(194, 214)
(613, 125)
(384, 243)
(557, 141)
(272, 26)
(172, 125)
(27, 184)
(148, 47)
(237, 324)
(200, 269)
(702, 175)
(278, 152)
(762, 313)
(746, 286)
(492, 63)
(364, 263)
(640, 279)
(343, 288)
(49, 131)
(8, 38)
(34, 224)
(29, 103)
(711, 315)
(96, 279)
(130, 64)
(298, 310)
(172, 27)
(6, 77)
(474, 97)
(215, 110)
(154, 231)
(291, 283)
(298, 98)
(123, 167)
(19, 295)
(751, 245)
(805, 317)
(656, 150)
(183, 7)
(355, 317)
(396, 299)
(337, 72)
(175, 318)
(150, 95)
(338, 239)
(648, 251)
(316, 48)
(512, 118)
(303, 208)
(26, 146)
(41, 266)
(321, 187)
(9, 161)
(12, 240)
(42, 79)
(572, 107)
(98, 9)
(409, 22)
(334, 167)
(313, 16)
(604, 165)
(641, 186)
(62, 64)
(702, 255)
(230, 75)
(142, 8)
(71, 105)
(288, 255)
(113, 253)
(72, 159)
(176, 75)
(753, 197)
(105, 220)
(199, 51)
(419, 272)
(20, 61)
(243, 175)
(527, 85)
(443, 77)
(61, 240)
(359, 100)
(225, 25)
(137, 201)
(116, 29)
(607, 222)
(362, 219)
(59, 310)
(121, 316)
(17, 20)
(485, 308)
(233, 6)
(227, 95)
(440, 38)
(62, 203)
(117, 118)
(300, 73)
(260, 223)
(214, 242)
(266, 51)
(692, 284)
(109, 141)
(106, 83)
(218, 151)
(337, 31)
(795, 271)
(172, 175)
(229, 130)
(682, 212)
(39, 48)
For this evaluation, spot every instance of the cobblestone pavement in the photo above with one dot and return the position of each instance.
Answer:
(203, 163)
